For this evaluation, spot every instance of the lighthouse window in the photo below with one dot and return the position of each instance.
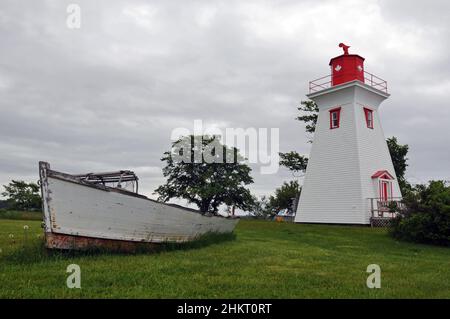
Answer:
(369, 117)
(335, 117)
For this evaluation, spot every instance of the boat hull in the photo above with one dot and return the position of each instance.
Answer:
(79, 215)
(70, 242)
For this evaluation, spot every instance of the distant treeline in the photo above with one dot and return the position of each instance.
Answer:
(3, 204)
(23, 215)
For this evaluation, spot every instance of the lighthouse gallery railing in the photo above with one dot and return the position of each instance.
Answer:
(369, 79)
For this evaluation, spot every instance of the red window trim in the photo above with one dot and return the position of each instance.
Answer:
(338, 111)
(366, 114)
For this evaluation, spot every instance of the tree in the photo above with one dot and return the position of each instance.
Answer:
(294, 161)
(398, 154)
(22, 196)
(261, 208)
(284, 196)
(309, 115)
(207, 173)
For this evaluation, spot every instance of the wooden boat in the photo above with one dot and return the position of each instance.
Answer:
(94, 210)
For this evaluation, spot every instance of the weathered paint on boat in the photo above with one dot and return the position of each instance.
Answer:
(80, 215)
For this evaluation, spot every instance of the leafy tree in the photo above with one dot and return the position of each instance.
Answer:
(22, 196)
(426, 218)
(207, 173)
(310, 112)
(261, 208)
(284, 196)
(398, 154)
(294, 161)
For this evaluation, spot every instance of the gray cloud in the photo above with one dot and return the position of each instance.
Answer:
(107, 96)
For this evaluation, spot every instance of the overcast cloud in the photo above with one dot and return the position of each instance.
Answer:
(108, 95)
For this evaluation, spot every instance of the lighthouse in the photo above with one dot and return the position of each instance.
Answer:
(350, 174)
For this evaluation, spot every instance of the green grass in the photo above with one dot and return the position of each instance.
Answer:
(264, 260)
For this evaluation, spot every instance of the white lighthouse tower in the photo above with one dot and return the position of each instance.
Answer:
(349, 166)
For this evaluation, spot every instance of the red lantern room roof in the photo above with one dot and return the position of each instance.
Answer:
(348, 56)
(347, 68)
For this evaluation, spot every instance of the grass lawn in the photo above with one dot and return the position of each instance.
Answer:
(265, 260)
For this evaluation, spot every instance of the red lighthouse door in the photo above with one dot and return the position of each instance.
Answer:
(384, 190)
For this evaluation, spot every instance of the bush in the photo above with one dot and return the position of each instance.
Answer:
(426, 218)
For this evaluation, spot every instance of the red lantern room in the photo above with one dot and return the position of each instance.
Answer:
(346, 67)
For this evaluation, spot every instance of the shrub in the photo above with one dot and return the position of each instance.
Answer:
(426, 218)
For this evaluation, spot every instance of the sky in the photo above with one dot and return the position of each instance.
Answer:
(108, 95)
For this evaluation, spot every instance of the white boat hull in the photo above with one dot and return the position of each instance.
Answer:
(76, 209)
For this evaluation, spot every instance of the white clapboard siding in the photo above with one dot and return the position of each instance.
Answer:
(338, 180)
(76, 209)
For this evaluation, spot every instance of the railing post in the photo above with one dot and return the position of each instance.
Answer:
(371, 207)
(371, 212)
